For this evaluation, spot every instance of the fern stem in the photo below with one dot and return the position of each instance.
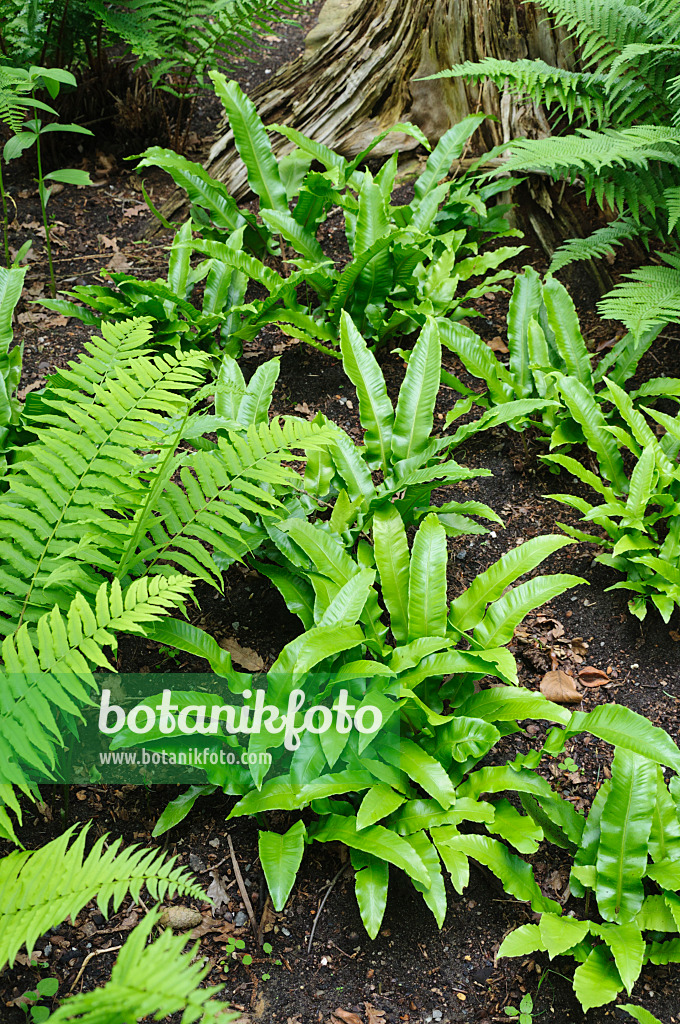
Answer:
(4, 218)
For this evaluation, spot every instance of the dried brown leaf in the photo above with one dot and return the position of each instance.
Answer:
(246, 657)
(591, 676)
(346, 1016)
(216, 892)
(559, 687)
(373, 1016)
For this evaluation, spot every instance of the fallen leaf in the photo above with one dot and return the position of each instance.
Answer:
(559, 687)
(346, 1016)
(134, 211)
(674, 634)
(591, 676)
(108, 243)
(119, 262)
(373, 1016)
(220, 929)
(129, 922)
(304, 409)
(268, 919)
(180, 919)
(246, 657)
(216, 892)
(498, 345)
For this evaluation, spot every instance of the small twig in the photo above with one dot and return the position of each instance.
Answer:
(242, 889)
(95, 952)
(214, 867)
(329, 890)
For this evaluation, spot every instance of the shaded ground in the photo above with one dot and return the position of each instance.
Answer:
(412, 972)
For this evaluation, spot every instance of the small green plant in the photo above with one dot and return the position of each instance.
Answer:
(168, 303)
(524, 1014)
(548, 359)
(45, 989)
(18, 96)
(11, 285)
(568, 764)
(628, 859)
(407, 260)
(639, 512)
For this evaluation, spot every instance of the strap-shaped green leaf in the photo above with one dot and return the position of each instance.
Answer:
(284, 224)
(641, 1015)
(514, 873)
(624, 837)
(468, 610)
(427, 581)
(417, 396)
(281, 856)
(498, 625)
(434, 894)
(560, 933)
(623, 728)
(585, 410)
(524, 303)
(202, 190)
(254, 405)
(423, 769)
(448, 149)
(11, 284)
(371, 876)
(379, 841)
(253, 143)
(597, 981)
(523, 940)
(375, 409)
(628, 949)
(563, 321)
(393, 562)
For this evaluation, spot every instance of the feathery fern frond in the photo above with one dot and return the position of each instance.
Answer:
(50, 674)
(575, 91)
(153, 981)
(40, 889)
(119, 345)
(601, 243)
(221, 492)
(593, 151)
(650, 296)
(602, 27)
(87, 461)
(672, 197)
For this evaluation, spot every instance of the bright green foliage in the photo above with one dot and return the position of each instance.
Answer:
(400, 441)
(407, 261)
(639, 514)
(549, 364)
(524, 1014)
(628, 156)
(155, 979)
(37, 898)
(631, 839)
(11, 284)
(17, 97)
(601, 243)
(366, 789)
(166, 303)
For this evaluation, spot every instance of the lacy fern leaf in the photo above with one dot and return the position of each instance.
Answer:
(36, 897)
(153, 981)
(650, 296)
(86, 461)
(51, 674)
(601, 243)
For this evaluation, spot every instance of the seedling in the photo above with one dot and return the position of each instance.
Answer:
(45, 989)
(525, 1012)
(21, 87)
(569, 765)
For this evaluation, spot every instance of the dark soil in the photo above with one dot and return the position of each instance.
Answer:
(412, 972)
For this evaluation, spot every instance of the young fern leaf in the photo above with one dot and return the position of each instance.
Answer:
(51, 672)
(596, 246)
(35, 897)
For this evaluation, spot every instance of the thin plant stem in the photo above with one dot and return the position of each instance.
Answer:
(4, 218)
(43, 207)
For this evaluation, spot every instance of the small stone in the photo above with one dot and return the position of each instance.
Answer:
(436, 1015)
(215, 843)
(195, 863)
(286, 932)
(241, 919)
(460, 555)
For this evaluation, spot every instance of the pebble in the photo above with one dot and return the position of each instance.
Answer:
(241, 919)
(461, 554)
(436, 1015)
(215, 843)
(195, 863)
(286, 932)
